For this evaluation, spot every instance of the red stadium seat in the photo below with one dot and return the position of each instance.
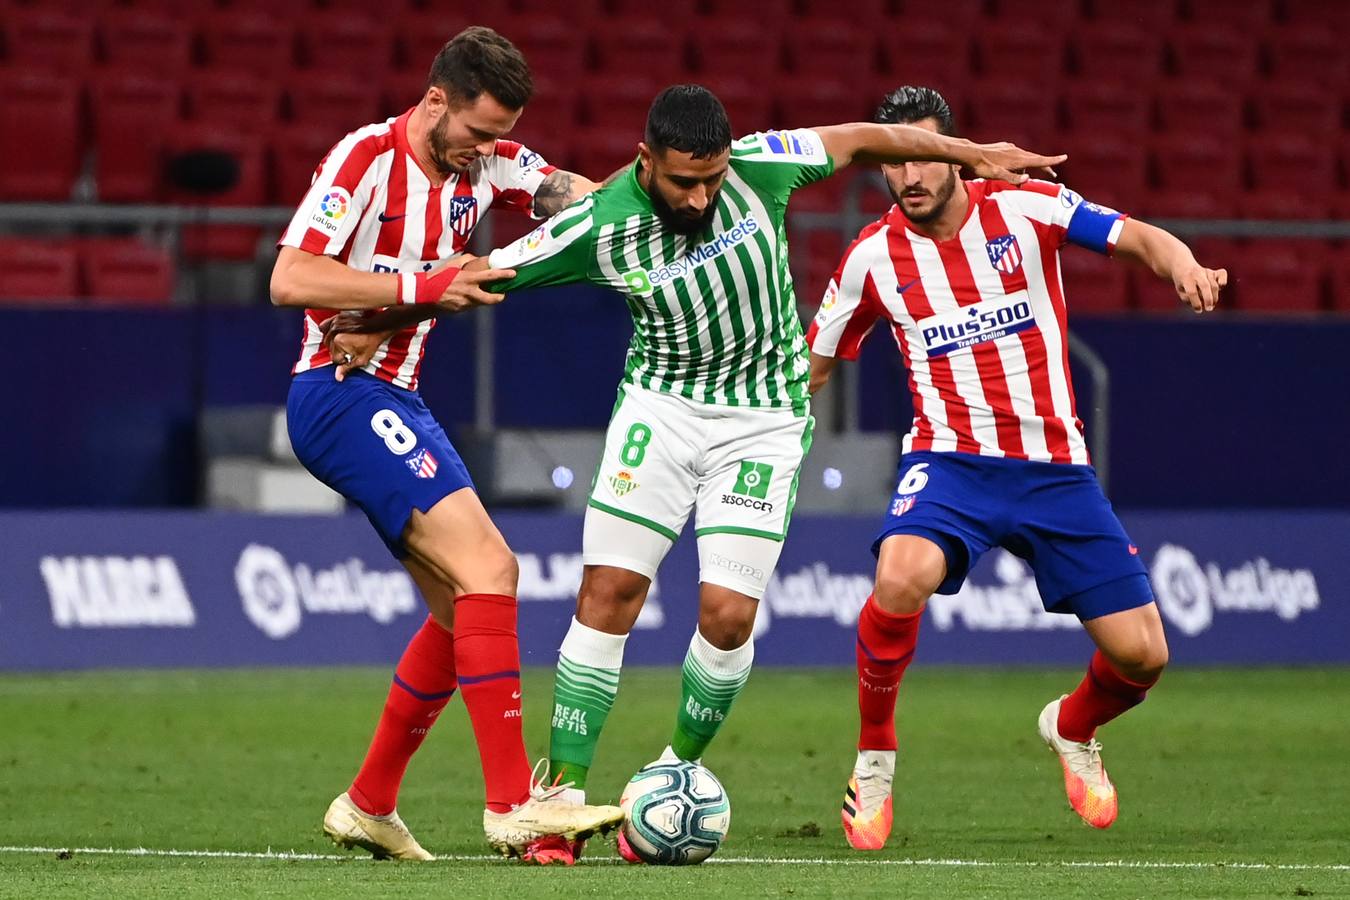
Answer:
(1197, 163)
(1094, 108)
(54, 39)
(1000, 108)
(1250, 14)
(131, 112)
(748, 105)
(400, 90)
(236, 98)
(1191, 105)
(1285, 201)
(126, 271)
(739, 47)
(145, 39)
(931, 52)
(1279, 276)
(867, 13)
(1335, 16)
(347, 41)
(577, 11)
(600, 151)
(1021, 51)
(422, 34)
(553, 46)
(825, 196)
(1214, 50)
(620, 104)
(234, 242)
(641, 44)
(1094, 283)
(1110, 172)
(38, 269)
(676, 9)
(1116, 52)
(253, 42)
(42, 168)
(1339, 272)
(548, 122)
(1305, 107)
(297, 151)
(815, 256)
(1310, 53)
(336, 100)
(1277, 160)
(810, 100)
(1155, 15)
(772, 12)
(828, 44)
(963, 14)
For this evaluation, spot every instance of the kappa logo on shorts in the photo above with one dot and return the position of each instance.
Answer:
(623, 483)
(423, 464)
(753, 479)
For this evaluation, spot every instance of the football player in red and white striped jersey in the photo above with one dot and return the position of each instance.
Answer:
(384, 223)
(965, 275)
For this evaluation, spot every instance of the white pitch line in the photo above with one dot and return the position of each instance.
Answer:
(725, 860)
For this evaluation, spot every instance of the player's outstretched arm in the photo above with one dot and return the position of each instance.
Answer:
(866, 142)
(1171, 259)
(301, 278)
(559, 190)
(822, 367)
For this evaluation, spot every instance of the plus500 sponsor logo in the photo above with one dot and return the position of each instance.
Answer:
(970, 325)
(276, 594)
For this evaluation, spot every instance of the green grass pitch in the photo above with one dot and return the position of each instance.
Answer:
(1232, 783)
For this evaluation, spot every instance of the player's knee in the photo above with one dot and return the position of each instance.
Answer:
(726, 625)
(502, 570)
(1144, 660)
(900, 592)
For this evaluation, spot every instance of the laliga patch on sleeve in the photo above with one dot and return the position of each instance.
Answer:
(334, 207)
(800, 145)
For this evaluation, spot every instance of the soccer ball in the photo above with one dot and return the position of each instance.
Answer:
(677, 813)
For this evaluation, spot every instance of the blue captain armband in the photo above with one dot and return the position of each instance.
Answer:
(1095, 227)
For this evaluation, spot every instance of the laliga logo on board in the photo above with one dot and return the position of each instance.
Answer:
(275, 595)
(1189, 594)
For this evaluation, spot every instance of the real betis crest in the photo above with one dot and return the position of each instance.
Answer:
(623, 483)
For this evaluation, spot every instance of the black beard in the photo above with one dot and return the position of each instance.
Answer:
(942, 198)
(439, 149)
(673, 221)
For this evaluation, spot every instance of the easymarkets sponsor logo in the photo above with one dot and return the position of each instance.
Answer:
(276, 594)
(116, 592)
(1190, 594)
(643, 282)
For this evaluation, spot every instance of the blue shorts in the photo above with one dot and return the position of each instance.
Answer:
(375, 444)
(1052, 515)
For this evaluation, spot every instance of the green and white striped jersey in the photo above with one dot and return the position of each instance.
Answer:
(714, 314)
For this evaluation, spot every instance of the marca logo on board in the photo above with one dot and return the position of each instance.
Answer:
(276, 593)
(116, 592)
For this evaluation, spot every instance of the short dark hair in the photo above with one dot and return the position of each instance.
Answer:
(688, 118)
(908, 104)
(479, 59)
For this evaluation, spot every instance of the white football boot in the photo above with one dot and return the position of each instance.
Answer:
(546, 813)
(386, 837)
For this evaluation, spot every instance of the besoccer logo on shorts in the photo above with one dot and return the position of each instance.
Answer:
(753, 479)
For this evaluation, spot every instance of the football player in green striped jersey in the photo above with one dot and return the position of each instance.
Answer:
(712, 416)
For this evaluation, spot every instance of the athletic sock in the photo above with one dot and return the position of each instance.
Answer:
(584, 688)
(885, 647)
(487, 656)
(710, 682)
(1102, 695)
(424, 681)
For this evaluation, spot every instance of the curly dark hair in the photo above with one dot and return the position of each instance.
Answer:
(479, 59)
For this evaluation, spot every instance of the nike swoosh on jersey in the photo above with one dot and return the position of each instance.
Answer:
(384, 218)
(901, 288)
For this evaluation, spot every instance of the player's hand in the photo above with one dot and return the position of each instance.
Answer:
(1199, 286)
(466, 290)
(352, 351)
(1005, 162)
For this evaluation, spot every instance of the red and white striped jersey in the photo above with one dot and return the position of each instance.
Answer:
(372, 207)
(979, 319)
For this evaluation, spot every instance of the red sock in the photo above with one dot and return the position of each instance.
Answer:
(885, 647)
(423, 684)
(487, 655)
(1102, 695)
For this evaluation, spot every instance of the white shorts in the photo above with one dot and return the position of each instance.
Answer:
(735, 468)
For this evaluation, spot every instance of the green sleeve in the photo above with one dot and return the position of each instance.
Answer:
(560, 251)
(780, 162)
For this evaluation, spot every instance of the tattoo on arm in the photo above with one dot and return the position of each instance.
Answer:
(554, 192)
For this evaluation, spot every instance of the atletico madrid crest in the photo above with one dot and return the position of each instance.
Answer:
(463, 215)
(1004, 254)
(422, 463)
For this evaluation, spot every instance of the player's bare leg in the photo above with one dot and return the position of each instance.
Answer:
(1131, 655)
(909, 569)
(366, 815)
(458, 541)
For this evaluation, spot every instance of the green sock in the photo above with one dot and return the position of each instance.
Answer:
(711, 681)
(584, 688)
